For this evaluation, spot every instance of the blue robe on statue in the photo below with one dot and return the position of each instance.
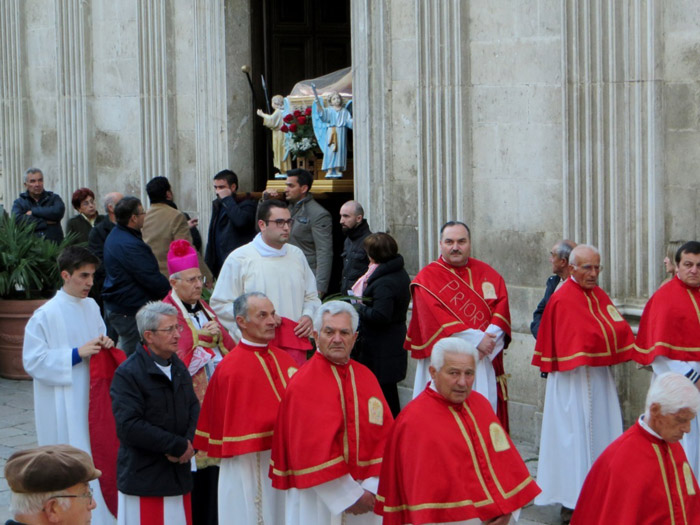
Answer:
(331, 129)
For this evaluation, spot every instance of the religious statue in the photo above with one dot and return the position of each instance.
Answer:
(280, 155)
(331, 125)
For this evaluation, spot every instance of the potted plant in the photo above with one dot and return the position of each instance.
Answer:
(29, 276)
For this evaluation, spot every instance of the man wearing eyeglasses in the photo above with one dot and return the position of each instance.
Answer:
(155, 411)
(269, 264)
(580, 337)
(203, 344)
(669, 332)
(49, 484)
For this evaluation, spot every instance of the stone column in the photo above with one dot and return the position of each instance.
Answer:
(613, 171)
(11, 96)
(153, 90)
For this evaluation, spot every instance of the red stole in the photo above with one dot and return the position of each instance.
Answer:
(581, 328)
(240, 406)
(445, 462)
(287, 340)
(449, 299)
(333, 421)
(670, 324)
(103, 430)
(639, 479)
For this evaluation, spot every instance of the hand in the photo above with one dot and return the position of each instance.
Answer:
(363, 505)
(487, 344)
(91, 347)
(304, 327)
(501, 520)
(192, 223)
(187, 456)
(29, 212)
(222, 193)
(106, 342)
(260, 113)
(270, 194)
(213, 328)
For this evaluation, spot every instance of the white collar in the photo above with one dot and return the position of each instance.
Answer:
(646, 427)
(265, 250)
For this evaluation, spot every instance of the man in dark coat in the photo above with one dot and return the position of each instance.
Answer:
(155, 411)
(356, 229)
(559, 257)
(41, 207)
(133, 277)
(232, 221)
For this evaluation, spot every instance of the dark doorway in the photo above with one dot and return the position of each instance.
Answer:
(293, 40)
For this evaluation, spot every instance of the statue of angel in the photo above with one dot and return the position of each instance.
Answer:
(330, 126)
(280, 154)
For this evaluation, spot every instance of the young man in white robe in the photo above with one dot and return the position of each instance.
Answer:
(58, 342)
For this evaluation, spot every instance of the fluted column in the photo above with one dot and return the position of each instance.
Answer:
(613, 172)
(11, 96)
(153, 89)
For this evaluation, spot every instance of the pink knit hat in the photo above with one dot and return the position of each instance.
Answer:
(181, 256)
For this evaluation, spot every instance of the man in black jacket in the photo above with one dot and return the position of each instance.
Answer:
(232, 222)
(356, 229)
(133, 277)
(559, 257)
(41, 207)
(155, 411)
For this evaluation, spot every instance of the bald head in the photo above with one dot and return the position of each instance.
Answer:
(584, 265)
(351, 214)
(110, 201)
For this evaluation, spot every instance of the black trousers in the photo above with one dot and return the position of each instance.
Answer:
(204, 496)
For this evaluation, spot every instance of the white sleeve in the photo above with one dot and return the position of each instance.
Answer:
(662, 364)
(371, 484)
(500, 340)
(228, 288)
(471, 336)
(311, 300)
(339, 494)
(44, 362)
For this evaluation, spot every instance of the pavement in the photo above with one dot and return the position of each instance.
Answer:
(17, 432)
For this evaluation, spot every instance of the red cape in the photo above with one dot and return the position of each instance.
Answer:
(103, 430)
(240, 406)
(333, 421)
(581, 328)
(445, 462)
(639, 480)
(670, 324)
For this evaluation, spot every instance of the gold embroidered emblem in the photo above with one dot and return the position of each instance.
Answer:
(614, 314)
(488, 290)
(376, 411)
(498, 437)
(688, 475)
(291, 371)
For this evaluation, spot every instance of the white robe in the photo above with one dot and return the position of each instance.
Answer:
(245, 490)
(691, 440)
(61, 390)
(485, 379)
(286, 280)
(581, 418)
(324, 504)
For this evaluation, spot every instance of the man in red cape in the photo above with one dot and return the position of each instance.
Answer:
(669, 332)
(203, 344)
(331, 429)
(460, 296)
(448, 458)
(643, 477)
(580, 337)
(239, 412)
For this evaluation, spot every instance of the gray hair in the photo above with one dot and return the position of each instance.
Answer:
(573, 257)
(563, 248)
(148, 317)
(241, 304)
(32, 171)
(111, 200)
(334, 308)
(452, 345)
(33, 503)
(672, 392)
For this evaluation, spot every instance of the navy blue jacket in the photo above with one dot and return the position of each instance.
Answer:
(132, 274)
(49, 208)
(552, 283)
(232, 225)
(154, 416)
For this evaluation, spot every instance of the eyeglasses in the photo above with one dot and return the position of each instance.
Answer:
(87, 495)
(170, 329)
(192, 280)
(280, 223)
(588, 268)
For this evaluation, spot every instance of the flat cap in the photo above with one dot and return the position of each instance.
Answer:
(49, 469)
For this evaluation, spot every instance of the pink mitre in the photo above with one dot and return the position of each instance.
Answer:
(181, 256)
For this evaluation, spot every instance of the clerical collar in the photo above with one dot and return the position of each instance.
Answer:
(646, 427)
(265, 250)
(159, 360)
(192, 308)
(251, 343)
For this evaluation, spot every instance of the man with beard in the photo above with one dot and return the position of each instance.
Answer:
(356, 230)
